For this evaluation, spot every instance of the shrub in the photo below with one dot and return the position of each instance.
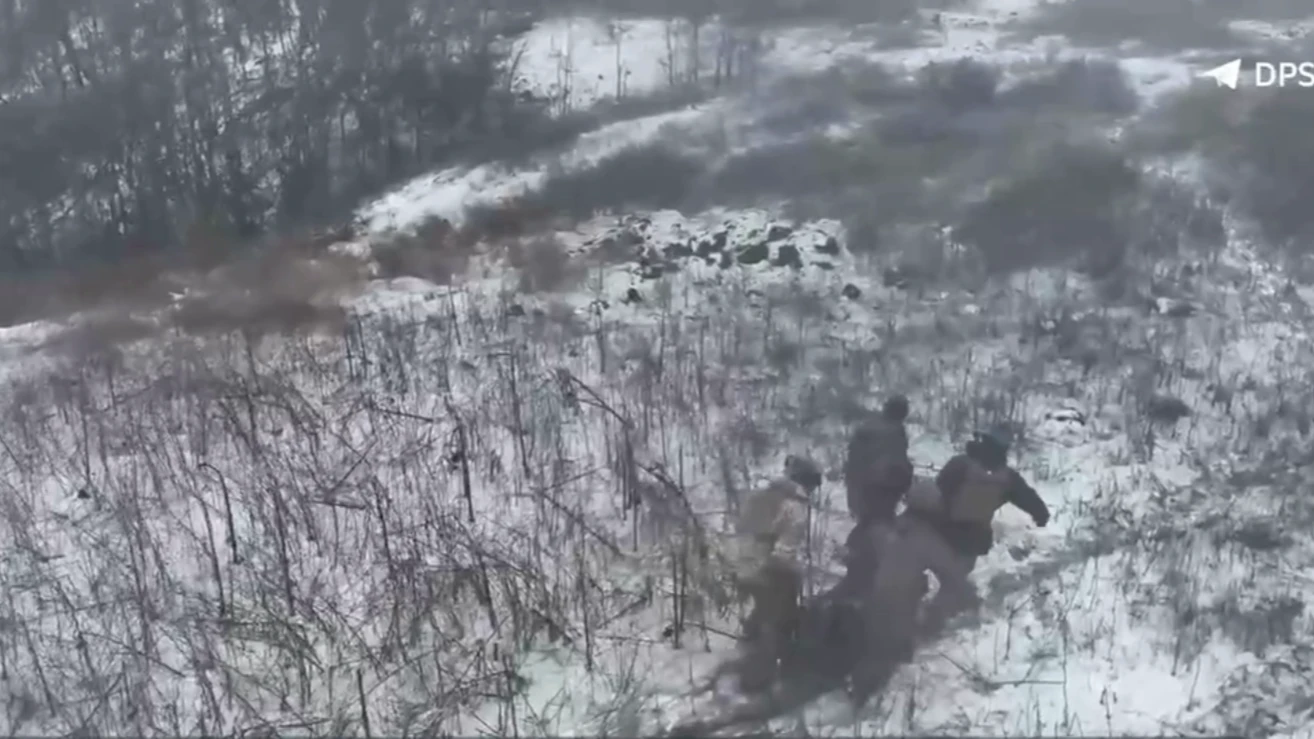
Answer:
(1067, 205)
(1170, 25)
(1084, 85)
(1274, 156)
(646, 176)
(960, 85)
(435, 251)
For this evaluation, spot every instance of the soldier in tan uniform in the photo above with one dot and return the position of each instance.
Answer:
(772, 530)
(945, 529)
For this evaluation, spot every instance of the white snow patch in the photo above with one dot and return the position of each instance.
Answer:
(451, 192)
(576, 61)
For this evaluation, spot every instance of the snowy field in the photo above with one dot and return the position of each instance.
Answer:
(477, 510)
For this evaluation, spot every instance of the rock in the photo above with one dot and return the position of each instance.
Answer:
(827, 266)
(726, 260)
(651, 272)
(632, 297)
(706, 249)
(851, 291)
(719, 240)
(831, 247)
(787, 256)
(676, 251)
(1066, 415)
(779, 232)
(1166, 409)
(755, 254)
(1171, 307)
(515, 310)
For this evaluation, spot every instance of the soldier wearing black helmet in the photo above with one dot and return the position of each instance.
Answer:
(877, 473)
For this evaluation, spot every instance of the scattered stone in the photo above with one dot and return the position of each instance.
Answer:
(779, 232)
(894, 277)
(1220, 395)
(831, 247)
(676, 251)
(1174, 308)
(515, 310)
(1067, 415)
(632, 297)
(1261, 536)
(851, 291)
(726, 260)
(651, 272)
(827, 266)
(706, 249)
(755, 254)
(787, 256)
(720, 239)
(1166, 409)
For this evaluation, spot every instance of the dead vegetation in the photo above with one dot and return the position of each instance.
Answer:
(1168, 25)
(416, 503)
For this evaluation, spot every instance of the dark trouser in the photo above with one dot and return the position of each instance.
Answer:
(772, 623)
(891, 611)
(864, 549)
(901, 583)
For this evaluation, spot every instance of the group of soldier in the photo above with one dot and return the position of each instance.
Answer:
(944, 527)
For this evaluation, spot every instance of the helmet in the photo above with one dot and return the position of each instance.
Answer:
(989, 447)
(803, 472)
(895, 408)
(993, 439)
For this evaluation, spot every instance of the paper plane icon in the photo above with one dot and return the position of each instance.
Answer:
(1226, 75)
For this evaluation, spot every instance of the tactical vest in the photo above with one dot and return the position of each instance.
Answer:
(982, 494)
(760, 517)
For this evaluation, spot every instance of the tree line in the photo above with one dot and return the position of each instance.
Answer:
(138, 126)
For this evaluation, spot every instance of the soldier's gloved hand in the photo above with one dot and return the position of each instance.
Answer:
(1042, 519)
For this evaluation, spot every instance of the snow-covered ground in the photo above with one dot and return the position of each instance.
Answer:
(477, 510)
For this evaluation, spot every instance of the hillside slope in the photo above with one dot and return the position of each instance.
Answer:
(497, 504)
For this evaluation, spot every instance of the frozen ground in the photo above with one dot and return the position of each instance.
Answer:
(477, 511)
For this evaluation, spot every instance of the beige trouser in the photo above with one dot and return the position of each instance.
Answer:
(900, 584)
(772, 622)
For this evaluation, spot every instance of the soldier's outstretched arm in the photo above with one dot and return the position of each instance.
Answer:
(1022, 495)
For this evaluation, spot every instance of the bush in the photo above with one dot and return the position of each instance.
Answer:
(1274, 156)
(1196, 120)
(651, 176)
(1098, 86)
(434, 251)
(961, 85)
(1169, 25)
(1068, 205)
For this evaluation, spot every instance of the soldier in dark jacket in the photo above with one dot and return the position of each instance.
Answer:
(945, 529)
(877, 473)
